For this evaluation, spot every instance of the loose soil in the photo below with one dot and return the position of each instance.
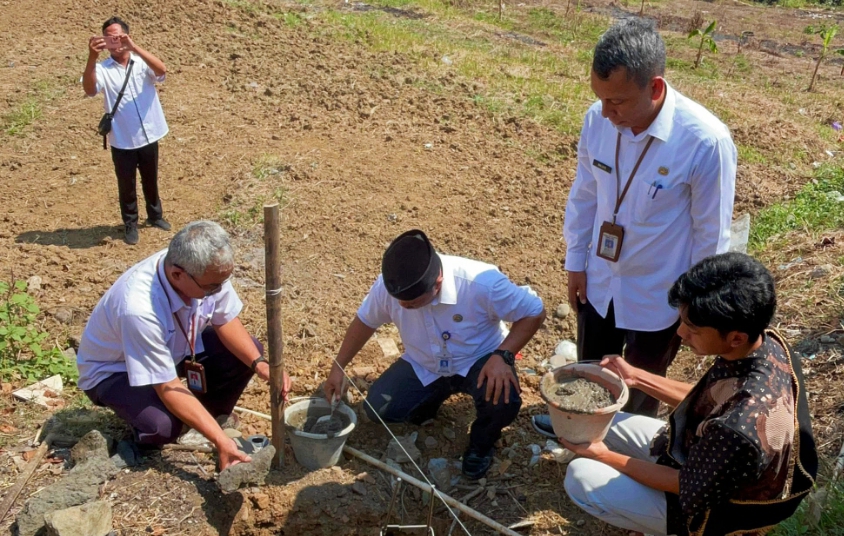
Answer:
(360, 145)
(578, 395)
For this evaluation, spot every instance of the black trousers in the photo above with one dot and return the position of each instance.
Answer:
(126, 162)
(398, 396)
(650, 350)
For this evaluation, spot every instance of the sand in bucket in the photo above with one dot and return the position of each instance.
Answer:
(301, 421)
(582, 400)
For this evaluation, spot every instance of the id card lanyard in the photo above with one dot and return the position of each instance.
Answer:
(611, 236)
(444, 359)
(194, 371)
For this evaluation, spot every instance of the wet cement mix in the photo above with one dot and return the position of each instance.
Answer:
(579, 395)
(307, 422)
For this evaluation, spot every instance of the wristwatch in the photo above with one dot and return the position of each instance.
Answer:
(254, 364)
(508, 356)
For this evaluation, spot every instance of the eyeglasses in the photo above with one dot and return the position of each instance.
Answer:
(210, 289)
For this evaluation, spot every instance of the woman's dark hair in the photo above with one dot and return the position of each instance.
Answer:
(727, 292)
(116, 20)
(633, 44)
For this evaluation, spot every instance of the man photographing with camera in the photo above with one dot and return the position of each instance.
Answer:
(133, 122)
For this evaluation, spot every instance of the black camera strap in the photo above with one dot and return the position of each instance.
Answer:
(119, 98)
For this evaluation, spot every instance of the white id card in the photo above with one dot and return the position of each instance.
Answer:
(444, 365)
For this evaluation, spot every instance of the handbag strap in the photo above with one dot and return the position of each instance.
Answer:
(122, 89)
(119, 98)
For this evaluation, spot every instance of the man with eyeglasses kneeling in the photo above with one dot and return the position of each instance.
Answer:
(174, 315)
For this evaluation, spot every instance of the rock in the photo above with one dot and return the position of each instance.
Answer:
(359, 488)
(366, 477)
(449, 434)
(33, 284)
(431, 442)
(562, 310)
(580, 522)
(440, 473)
(92, 445)
(253, 472)
(362, 372)
(127, 455)
(389, 348)
(70, 354)
(826, 339)
(74, 339)
(232, 433)
(820, 271)
(410, 451)
(841, 340)
(261, 501)
(80, 486)
(63, 315)
(91, 519)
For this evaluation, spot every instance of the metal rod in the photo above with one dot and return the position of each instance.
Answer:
(393, 501)
(430, 510)
(275, 334)
(474, 514)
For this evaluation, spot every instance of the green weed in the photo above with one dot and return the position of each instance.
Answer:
(22, 356)
(750, 155)
(817, 207)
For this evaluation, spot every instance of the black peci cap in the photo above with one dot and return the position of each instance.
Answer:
(410, 266)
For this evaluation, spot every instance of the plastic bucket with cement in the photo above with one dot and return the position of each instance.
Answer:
(315, 451)
(583, 426)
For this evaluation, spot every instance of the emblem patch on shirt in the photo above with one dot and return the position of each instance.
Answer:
(600, 165)
(457, 318)
(662, 170)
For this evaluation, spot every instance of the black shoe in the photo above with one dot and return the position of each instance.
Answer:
(475, 464)
(161, 223)
(131, 236)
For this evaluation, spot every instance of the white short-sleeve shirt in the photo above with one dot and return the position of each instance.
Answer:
(139, 119)
(472, 306)
(133, 328)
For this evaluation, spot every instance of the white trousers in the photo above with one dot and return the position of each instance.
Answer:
(613, 497)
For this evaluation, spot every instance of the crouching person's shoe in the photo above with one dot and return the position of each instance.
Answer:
(475, 463)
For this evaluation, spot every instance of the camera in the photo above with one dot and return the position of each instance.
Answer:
(113, 42)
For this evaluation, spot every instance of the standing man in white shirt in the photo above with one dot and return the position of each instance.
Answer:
(450, 313)
(138, 121)
(653, 196)
(173, 315)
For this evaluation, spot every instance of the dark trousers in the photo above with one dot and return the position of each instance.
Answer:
(650, 350)
(145, 160)
(226, 377)
(398, 396)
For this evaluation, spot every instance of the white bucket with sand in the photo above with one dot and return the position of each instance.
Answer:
(582, 400)
(318, 444)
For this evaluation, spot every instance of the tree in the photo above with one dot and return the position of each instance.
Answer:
(826, 33)
(705, 39)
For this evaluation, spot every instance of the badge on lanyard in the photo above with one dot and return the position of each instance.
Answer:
(444, 359)
(611, 235)
(194, 371)
(195, 374)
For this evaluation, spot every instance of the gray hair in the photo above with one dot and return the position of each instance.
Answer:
(634, 44)
(199, 246)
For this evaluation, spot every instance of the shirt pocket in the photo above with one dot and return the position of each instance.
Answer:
(658, 200)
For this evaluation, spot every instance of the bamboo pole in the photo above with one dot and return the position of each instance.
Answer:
(427, 488)
(275, 339)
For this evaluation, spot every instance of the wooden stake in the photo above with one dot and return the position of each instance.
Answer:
(275, 339)
(427, 488)
(24, 477)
